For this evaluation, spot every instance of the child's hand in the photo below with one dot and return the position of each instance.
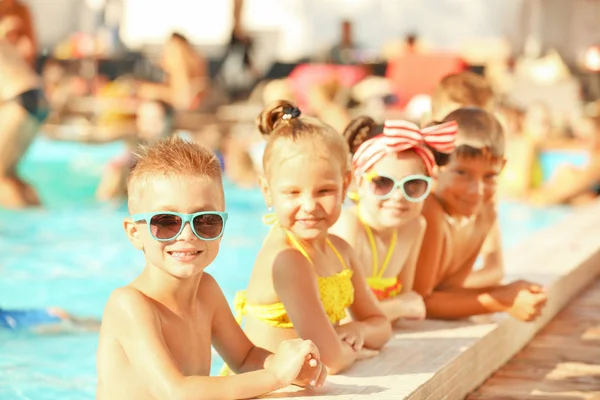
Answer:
(365, 353)
(313, 373)
(412, 305)
(352, 333)
(526, 300)
(289, 360)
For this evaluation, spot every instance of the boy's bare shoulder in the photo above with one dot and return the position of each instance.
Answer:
(208, 286)
(127, 301)
(433, 213)
(488, 214)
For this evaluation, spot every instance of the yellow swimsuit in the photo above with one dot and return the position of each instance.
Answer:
(383, 288)
(336, 292)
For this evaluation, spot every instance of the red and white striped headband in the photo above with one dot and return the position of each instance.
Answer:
(400, 136)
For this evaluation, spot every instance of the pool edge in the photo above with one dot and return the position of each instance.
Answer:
(448, 360)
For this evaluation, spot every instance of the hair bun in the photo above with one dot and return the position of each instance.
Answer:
(274, 114)
(358, 131)
(291, 112)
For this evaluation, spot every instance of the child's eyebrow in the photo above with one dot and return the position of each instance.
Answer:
(328, 182)
(164, 207)
(203, 208)
(193, 210)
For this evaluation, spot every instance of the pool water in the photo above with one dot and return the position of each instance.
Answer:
(73, 253)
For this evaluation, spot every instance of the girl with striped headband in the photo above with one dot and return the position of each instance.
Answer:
(393, 165)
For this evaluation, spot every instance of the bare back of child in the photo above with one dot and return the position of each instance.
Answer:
(156, 334)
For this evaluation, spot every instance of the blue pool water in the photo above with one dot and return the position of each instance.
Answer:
(73, 253)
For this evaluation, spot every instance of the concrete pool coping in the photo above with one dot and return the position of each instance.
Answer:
(431, 360)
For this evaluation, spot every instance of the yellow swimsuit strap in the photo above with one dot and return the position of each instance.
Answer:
(377, 271)
(271, 219)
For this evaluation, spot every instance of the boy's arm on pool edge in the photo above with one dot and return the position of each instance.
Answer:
(458, 303)
(141, 337)
(451, 300)
(228, 338)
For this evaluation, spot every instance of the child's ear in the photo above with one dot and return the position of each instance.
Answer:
(503, 164)
(133, 234)
(266, 191)
(347, 182)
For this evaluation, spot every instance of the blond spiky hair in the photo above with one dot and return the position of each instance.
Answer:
(171, 156)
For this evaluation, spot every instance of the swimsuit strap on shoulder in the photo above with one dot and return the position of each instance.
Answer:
(337, 254)
(377, 271)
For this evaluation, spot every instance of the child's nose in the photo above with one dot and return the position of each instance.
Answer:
(397, 194)
(477, 188)
(308, 204)
(187, 233)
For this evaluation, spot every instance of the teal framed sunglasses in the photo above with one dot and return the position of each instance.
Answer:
(415, 188)
(166, 225)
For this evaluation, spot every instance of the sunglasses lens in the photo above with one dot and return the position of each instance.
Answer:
(165, 226)
(381, 185)
(415, 188)
(209, 226)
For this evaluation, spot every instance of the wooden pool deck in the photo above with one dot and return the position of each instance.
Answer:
(561, 362)
(438, 360)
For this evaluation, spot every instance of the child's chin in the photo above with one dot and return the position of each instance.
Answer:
(467, 212)
(393, 218)
(307, 233)
(184, 271)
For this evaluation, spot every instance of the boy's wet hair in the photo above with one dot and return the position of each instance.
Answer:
(479, 133)
(282, 121)
(465, 88)
(363, 128)
(171, 156)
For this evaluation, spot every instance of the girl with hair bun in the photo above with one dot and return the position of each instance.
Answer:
(304, 279)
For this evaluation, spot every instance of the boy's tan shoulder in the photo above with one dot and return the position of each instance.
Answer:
(420, 224)
(208, 285)
(127, 300)
(488, 214)
(433, 213)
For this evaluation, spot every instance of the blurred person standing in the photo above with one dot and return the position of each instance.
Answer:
(187, 80)
(23, 108)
